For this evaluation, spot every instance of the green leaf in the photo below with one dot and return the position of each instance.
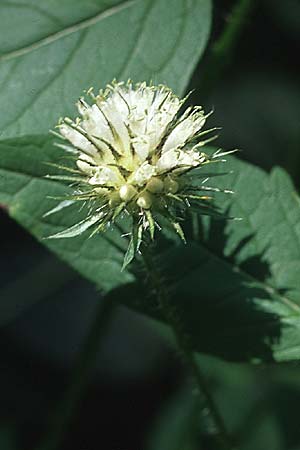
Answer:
(60, 50)
(236, 288)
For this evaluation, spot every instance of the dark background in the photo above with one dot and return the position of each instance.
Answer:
(257, 103)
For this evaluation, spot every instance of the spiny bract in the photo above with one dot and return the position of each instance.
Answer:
(134, 155)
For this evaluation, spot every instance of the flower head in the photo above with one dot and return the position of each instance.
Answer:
(135, 154)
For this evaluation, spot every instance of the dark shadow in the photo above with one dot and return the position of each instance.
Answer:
(225, 310)
(225, 304)
(215, 241)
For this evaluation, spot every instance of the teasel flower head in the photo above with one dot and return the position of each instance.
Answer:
(135, 155)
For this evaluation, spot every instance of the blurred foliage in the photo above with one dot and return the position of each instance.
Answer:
(7, 438)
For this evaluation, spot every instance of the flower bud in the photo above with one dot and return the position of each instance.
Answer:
(114, 199)
(155, 185)
(137, 171)
(145, 201)
(171, 185)
(127, 192)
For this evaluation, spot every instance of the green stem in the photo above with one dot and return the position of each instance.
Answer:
(183, 342)
(222, 50)
(80, 378)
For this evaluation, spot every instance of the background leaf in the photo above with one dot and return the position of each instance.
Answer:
(252, 422)
(7, 438)
(60, 50)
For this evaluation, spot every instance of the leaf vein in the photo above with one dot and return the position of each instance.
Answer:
(84, 24)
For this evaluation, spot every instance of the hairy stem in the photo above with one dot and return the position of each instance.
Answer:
(67, 407)
(223, 48)
(172, 318)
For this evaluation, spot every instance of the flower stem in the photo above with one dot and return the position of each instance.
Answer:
(222, 49)
(67, 407)
(172, 318)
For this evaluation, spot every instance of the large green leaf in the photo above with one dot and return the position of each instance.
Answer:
(236, 286)
(51, 51)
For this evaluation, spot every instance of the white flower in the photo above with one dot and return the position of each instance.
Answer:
(143, 173)
(133, 128)
(134, 153)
